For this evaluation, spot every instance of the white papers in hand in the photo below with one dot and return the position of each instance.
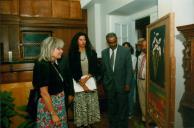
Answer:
(91, 84)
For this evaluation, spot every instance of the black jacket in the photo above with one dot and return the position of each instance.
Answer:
(66, 73)
(75, 65)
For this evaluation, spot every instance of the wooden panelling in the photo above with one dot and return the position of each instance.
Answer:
(60, 8)
(14, 41)
(9, 7)
(11, 73)
(11, 77)
(68, 9)
(35, 8)
(75, 10)
(20, 93)
(35, 16)
(9, 37)
(4, 39)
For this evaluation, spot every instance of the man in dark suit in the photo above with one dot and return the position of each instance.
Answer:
(117, 74)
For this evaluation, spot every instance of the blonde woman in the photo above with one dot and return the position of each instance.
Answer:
(47, 78)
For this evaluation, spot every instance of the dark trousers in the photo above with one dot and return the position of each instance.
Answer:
(118, 109)
(187, 116)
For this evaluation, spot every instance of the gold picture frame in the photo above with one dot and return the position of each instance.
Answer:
(161, 72)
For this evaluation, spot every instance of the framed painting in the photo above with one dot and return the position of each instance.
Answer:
(161, 71)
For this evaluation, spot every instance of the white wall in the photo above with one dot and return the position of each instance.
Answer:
(152, 12)
(107, 6)
(183, 10)
(109, 21)
(130, 22)
(94, 27)
(183, 15)
(100, 22)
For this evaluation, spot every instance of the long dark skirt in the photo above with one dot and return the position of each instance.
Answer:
(44, 119)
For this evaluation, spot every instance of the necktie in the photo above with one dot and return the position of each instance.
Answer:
(112, 59)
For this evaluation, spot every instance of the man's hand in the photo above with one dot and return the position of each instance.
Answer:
(126, 88)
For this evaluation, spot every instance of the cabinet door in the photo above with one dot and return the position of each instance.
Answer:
(9, 7)
(35, 8)
(9, 41)
(75, 10)
(30, 45)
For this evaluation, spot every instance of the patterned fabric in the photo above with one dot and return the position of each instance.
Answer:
(86, 108)
(44, 117)
(142, 66)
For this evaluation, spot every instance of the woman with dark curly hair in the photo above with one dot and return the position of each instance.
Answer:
(83, 65)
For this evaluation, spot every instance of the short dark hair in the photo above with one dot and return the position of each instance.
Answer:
(129, 46)
(111, 34)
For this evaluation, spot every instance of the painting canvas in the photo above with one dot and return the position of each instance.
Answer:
(156, 48)
(161, 71)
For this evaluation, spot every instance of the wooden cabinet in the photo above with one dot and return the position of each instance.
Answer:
(13, 28)
(20, 19)
(16, 72)
(35, 8)
(9, 7)
(9, 36)
(68, 9)
(188, 65)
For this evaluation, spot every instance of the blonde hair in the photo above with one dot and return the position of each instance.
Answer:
(47, 47)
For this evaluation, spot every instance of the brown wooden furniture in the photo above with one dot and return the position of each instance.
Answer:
(69, 9)
(59, 18)
(161, 72)
(188, 65)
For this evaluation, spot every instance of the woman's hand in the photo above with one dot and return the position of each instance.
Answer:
(86, 89)
(83, 80)
(56, 119)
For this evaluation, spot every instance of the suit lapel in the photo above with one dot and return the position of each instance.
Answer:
(108, 58)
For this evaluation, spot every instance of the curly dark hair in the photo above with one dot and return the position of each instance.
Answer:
(74, 42)
(129, 46)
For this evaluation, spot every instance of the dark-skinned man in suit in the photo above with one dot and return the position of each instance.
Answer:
(117, 74)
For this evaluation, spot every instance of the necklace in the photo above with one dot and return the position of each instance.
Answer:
(83, 56)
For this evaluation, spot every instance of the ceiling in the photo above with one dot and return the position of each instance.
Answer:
(135, 6)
